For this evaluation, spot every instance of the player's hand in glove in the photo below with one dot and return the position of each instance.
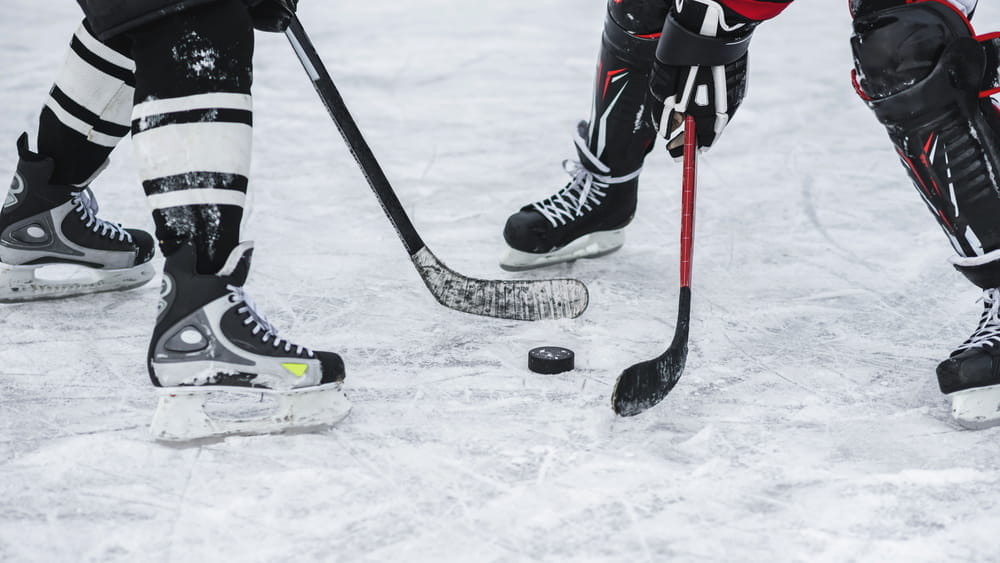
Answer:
(272, 15)
(700, 69)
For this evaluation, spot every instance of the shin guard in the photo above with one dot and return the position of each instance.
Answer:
(619, 131)
(928, 79)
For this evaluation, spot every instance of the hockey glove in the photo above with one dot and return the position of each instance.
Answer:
(272, 15)
(700, 69)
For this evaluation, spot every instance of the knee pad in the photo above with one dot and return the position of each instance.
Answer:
(639, 17)
(864, 7)
(632, 29)
(897, 47)
(928, 78)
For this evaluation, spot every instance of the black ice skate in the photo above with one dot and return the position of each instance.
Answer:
(584, 219)
(53, 245)
(209, 337)
(971, 376)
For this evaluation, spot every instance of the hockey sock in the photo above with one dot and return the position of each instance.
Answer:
(88, 108)
(192, 124)
(620, 133)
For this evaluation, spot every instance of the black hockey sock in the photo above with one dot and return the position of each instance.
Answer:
(191, 126)
(88, 108)
(620, 133)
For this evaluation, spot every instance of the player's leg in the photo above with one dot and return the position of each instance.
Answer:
(928, 79)
(49, 214)
(191, 127)
(586, 218)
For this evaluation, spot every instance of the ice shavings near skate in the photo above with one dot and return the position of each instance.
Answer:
(809, 427)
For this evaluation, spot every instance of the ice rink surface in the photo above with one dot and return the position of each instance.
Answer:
(808, 425)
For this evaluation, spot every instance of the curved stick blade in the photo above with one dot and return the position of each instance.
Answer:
(647, 383)
(518, 300)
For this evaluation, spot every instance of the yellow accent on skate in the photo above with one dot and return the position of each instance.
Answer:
(298, 370)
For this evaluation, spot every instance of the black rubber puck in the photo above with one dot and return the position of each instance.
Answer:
(550, 359)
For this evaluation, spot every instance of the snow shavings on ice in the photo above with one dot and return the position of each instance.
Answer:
(807, 427)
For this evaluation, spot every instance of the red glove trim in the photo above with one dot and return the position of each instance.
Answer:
(756, 9)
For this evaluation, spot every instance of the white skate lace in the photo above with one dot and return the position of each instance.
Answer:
(584, 192)
(86, 204)
(260, 322)
(988, 332)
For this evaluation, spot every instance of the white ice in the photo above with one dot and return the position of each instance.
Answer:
(808, 425)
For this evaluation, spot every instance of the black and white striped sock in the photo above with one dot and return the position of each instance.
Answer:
(88, 109)
(192, 126)
(194, 160)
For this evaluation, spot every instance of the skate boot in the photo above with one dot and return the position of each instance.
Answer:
(584, 219)
(209, 338)
(53, 245)
(971, 375)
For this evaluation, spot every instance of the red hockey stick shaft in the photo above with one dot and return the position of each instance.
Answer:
(687, 199)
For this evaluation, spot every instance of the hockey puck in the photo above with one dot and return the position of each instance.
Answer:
(550, 359)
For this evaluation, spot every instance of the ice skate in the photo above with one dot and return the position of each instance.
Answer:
(584, 219)
(971, 376)
(211, 344)
(52, 244)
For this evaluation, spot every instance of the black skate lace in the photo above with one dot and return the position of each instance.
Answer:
(86, 204)
(584, 192)
(260, 322)
(988, 332)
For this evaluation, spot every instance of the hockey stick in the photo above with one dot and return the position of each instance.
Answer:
(522, 300)
(645, 384)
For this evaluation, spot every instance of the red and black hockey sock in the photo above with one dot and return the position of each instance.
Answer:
(191, 126)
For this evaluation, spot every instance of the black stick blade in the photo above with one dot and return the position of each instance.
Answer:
(525, 300)
(647, 383)
(518, 300)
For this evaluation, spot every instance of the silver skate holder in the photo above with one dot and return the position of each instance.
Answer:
(976, 409)
(53, 281)
(185, 414)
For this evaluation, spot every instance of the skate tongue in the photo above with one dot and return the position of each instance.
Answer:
(237, 266)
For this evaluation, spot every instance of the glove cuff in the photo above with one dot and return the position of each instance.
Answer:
(680, 47)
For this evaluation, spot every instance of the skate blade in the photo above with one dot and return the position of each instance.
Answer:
(978, 408)
(55, 281)
(194, 413)
(593, 245)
